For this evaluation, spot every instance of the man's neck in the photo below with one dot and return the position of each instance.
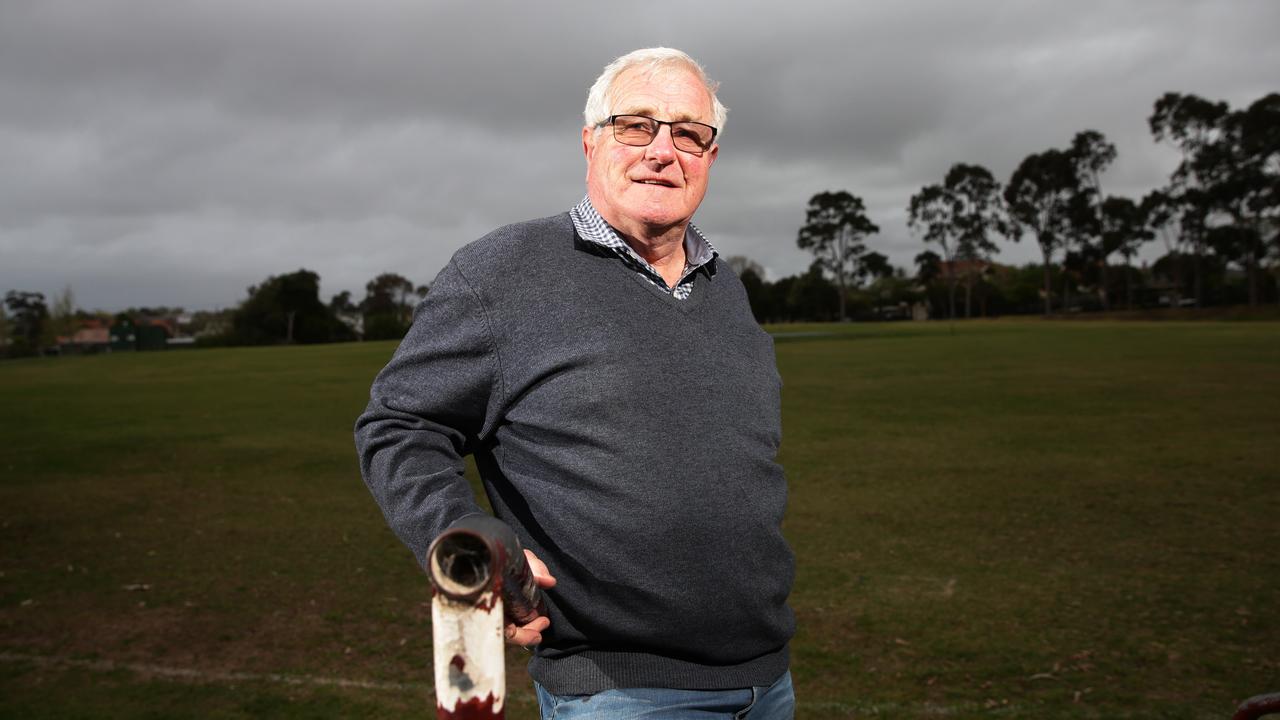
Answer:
(664, 252)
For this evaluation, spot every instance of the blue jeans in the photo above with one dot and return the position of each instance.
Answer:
(774, 702)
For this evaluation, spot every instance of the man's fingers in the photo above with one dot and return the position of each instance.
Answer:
(528, 634)
(541, 574)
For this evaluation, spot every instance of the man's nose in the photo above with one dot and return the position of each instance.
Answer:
(663, 147)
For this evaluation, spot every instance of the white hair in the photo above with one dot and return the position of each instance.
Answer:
(650, 60)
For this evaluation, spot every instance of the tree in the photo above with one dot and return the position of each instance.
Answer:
(341, 302)
(1179, 218)
(1241, 174)
(1189, 122)
(1232, 158)
(286, 309)
(62, 317)
(928, 266)
(874, 266)
(960, 216)
(980, 215)
(751, 273)
(5, 328)
(835, 225)
(28, 314)
(932, 212)
(928, 271)
(212, 327)
(1090, 155)
(1038, 198)
(970, 205)
(810, 296)
(741, 264)
(758, 295)
(1124, 230)
(347, 312)
(387, 307)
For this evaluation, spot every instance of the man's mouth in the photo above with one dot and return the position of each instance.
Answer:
(662, 183)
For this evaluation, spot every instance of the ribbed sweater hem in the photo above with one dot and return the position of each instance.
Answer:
(593, 671)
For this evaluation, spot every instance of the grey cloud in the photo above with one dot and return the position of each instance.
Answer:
(165, 152)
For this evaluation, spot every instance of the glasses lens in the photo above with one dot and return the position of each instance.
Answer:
(634, 129)
(691, 136)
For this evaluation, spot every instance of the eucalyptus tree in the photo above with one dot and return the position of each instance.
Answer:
(286, 309)
(930, 212)
(62, 317)
(1232, 158)
(835, 225)
(928, 266)
(1038, 199)
(752, 273)
(928, 269)
(960, 215)
(1124, 230)
(4, 331)
(1090, 154)
(388, 306)
(1241, 173)
(28, 314)
(875, 266)
(1177, 219)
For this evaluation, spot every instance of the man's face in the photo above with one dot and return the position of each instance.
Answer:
(643, 191)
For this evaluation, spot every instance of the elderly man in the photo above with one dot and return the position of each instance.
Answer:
(622, 405)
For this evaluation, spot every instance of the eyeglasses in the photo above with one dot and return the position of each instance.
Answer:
(640, 130)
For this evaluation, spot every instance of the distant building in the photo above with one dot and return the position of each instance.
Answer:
(147, 334)
(964, 268)
(92, 337)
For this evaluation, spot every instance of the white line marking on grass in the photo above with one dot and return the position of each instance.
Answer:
(210, 675)
(896, 709)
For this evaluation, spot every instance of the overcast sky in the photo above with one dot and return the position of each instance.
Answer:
(158, 152)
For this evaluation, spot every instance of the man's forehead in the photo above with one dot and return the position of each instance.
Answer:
(641, 108)
(676, 91)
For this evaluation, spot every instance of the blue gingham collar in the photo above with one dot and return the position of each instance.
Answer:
(698, 251)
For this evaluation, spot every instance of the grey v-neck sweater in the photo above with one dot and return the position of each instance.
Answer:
(629, 438)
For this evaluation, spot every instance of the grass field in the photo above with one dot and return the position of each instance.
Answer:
(1006, 519)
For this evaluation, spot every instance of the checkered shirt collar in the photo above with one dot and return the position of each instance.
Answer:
(698, 251)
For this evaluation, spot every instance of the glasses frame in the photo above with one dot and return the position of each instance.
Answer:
(612, 121)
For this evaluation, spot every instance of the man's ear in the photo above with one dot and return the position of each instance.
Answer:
(588, 141)
(714, 152)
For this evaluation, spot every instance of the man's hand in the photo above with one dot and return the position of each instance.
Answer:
(530, 634)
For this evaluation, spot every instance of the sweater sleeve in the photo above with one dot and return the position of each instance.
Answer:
(427, 409)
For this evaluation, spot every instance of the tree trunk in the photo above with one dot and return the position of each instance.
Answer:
(1128, 284)
(1251, 268)
(1048, 289)
(951, 296)
(1105, 295)
(840, 283)
(1199, 284)
(968, 295)
(1177, 280)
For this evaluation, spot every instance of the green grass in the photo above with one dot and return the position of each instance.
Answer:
(1013, 519)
